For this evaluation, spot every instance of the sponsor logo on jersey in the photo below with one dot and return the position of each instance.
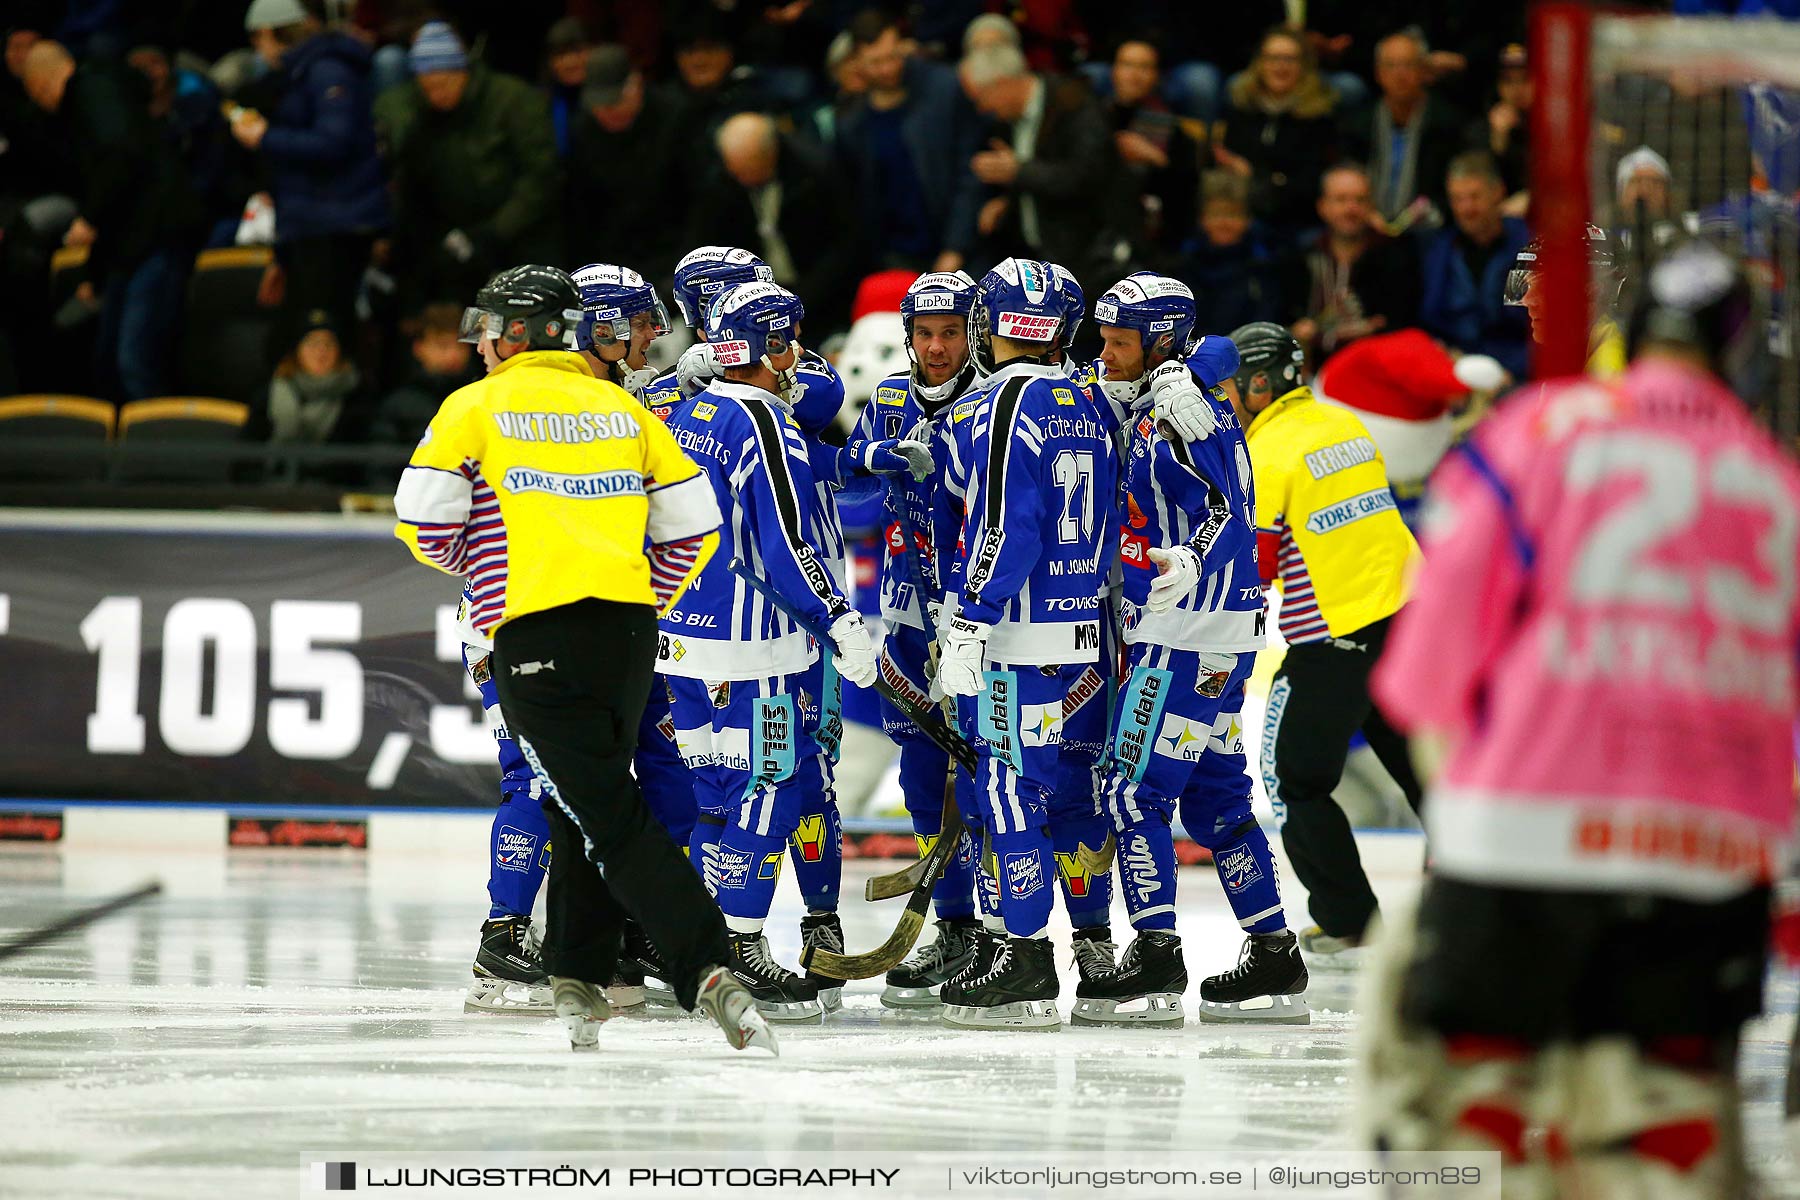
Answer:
(704, 410)
(1040, 724)
(773, 723)
(696, 619)
(896, 679)
(1239, 869)
(1135, 514)
(892, 397)
(1340, 456)
(482, 669)
(720, 693)
(600, 485)
(514, 849)
(702, 445)
(1087, 636)
(962, 412)
(1076, 876)
(809, 838)
(1087, 685)
(1211, 684)
(1134, 548)
(1145, 695)
(770, 867)
(1352, 510)
(997, 717)
(666, 727)
(1024, 873)
(563, 428)
(1063, 396)
(1227, 734)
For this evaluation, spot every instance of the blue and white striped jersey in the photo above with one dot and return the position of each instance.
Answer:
(755, 458)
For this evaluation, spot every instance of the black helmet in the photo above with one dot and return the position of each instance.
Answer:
(1603, 267)
(1265, 348)
(529, 307)
(1698, 297)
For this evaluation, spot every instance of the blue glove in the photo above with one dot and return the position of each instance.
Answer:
(889, 456)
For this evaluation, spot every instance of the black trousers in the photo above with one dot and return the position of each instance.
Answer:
(1319, 699)
(572, 683)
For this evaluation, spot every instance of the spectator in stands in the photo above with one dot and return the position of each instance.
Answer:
(1642, 188)
(186, 106)
(1350, 280)
(1055, 176)
(440, 364)
(906, 147)
(844, 72)
(139, 218)
(318, 145)
(989, 29)
(565, 71)
(1229, 261)
(779, 198)
(314, 386)
(473, 155)
(708, 85)
(1409, 138)
(1159, 154)
(621, 168)
(1507, 131)
(1279, 131)
(1465, 267)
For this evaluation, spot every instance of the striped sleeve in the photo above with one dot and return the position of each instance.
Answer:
(436, 500)
(682, 504)
(776, 499)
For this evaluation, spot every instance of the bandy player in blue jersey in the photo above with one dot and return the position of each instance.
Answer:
(1025, 624)
(1194, 620)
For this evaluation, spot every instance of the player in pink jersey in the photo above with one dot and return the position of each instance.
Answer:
(1602, 641)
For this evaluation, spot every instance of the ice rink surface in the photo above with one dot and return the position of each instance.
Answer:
(278, 1002)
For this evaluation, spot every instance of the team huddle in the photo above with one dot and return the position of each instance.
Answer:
(1070, 575)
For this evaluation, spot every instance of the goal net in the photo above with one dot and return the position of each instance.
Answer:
(1658, 130)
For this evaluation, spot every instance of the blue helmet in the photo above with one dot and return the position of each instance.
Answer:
(1020, 299)
(708, 272)
(1075, 302)
(611, 296)
(951, 292)
(1159, 307)
(753, 321)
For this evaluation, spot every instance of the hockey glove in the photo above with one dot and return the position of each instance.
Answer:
(696, 368)
(890, 456)
(960, 655)
(1178, 570)
(853, 651)
(1181, 403)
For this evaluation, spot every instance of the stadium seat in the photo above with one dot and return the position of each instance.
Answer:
(171, 422)
(66, 418)
(225, 336)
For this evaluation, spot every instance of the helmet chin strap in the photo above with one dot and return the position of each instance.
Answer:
(936, 394)
(785, 380)
(633, 381)
(1125, 393)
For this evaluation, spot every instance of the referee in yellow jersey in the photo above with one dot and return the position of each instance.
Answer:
(542, 485)
(1329, 535)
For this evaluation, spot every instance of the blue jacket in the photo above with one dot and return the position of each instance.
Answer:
(325, 174)
(1468, 313)
(942, 132)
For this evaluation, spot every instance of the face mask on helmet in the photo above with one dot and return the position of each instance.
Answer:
(480, 324)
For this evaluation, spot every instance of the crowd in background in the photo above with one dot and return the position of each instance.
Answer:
(1339, 167)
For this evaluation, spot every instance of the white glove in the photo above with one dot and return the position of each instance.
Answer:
(1181, 403)
(1178, 570)
(890, 456)
(853, 651)
(960, 656)
(696, 368)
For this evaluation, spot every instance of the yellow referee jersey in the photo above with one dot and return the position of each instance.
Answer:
(541, 484)
(1325, 510)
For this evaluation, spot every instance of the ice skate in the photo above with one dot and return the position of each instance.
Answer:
(916, 982)
(642, 962)
(582, 1008)
(1330, 951)
(627, 987)
(509, 975)
(823, 930)
(1268, 986)
(724, 998)
(780, 994)
(1017, 991)
(1144, 990)
(1094, 951)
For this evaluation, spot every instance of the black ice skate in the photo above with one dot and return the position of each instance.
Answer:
(1268, 985)
(728, 1002)
(824, 931)
(984, 946)
(582, 1008)
(509, 975)
(780, 994)
(1144, 990)
(641, 963)
(1017, 991)
(1094, 951)
(916, 982)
